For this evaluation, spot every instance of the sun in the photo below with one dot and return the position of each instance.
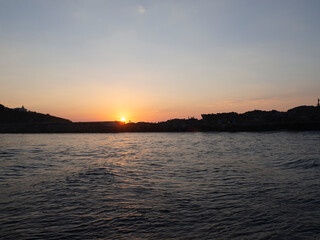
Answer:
(123, 119)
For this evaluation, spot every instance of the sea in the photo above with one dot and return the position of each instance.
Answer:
(160, 186)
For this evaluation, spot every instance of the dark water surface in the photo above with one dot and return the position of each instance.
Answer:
(160, 186)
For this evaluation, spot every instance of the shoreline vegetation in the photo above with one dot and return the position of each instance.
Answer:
(302, 118)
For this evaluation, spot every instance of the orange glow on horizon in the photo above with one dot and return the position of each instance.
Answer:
(139, 112)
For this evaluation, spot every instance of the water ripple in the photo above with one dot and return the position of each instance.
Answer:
(160, 186)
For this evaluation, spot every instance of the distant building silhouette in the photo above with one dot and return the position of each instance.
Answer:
(318, 105)
(22, 109)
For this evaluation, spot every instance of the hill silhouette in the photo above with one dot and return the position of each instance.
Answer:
(298, 118)
(21, 115)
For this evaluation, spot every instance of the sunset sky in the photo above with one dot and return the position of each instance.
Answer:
(96, 60)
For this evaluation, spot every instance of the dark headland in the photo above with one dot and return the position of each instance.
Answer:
(302, 118)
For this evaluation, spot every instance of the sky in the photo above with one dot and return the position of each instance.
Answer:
(100, 60)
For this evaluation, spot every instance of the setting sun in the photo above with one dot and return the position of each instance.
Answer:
(123, 119)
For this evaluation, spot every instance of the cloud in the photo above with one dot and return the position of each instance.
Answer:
(141, 10)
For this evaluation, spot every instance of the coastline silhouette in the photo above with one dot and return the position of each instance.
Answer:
(302, 118)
